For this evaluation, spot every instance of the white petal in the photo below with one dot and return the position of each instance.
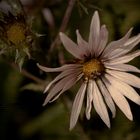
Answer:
(103, 40)
(60, 76)
(70, 46)
(72, 81)
(80, 40)
(55, 80)
(127, 47)
(133, 39)
(57, 88)
(119, 99)
(46, 69)
(124, 89)
(83, 45)
(89, 99)
(107, 97)
(94, 32)
(122, 67)
(59, 69)
(100, 106)
(115, 44)
(77, 105)
(124, 59)
(125, 77)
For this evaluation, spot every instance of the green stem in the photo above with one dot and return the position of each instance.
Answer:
(28, 75)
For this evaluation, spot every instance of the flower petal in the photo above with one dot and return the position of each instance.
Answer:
(57, 88)
(94, 32)
(46, 69)
(127, 47)
(124, 59)
(122, 67)
(77, 105)
(119, 99)
(84, 46)
(115, 44)
(124, 89)
(89, 98)
(72, 81)
(70, 46)
(107, 97)
(103, 40)
(60, 76)
(100, 106)
(125, 77)
(80, 40)
(59, 69)
(132, 40)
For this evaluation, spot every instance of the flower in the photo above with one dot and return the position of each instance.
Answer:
(16, 36)
(102, 71)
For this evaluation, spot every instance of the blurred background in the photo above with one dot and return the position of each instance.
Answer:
(22, 116)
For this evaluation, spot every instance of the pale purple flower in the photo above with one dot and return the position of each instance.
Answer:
(102, 71)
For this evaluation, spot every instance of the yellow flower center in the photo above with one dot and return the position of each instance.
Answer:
(16, 33)
(93, 68)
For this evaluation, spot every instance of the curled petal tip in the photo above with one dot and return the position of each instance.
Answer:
(104, 26)
(77, 30)
(44, 104)
(60, 33)
(38, 64)
(131, 28)
(71, 127)
(96, 12)
(130, 117)
(108, 125)
(44, 91)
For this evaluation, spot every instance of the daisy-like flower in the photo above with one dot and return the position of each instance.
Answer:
(102, 71)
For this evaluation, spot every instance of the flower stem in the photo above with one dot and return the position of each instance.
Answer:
(28, 75)
(64, 23)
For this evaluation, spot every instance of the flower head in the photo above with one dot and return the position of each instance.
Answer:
(16, 37)
(102, 71)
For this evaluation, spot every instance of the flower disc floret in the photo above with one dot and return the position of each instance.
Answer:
(92, 68)
(16, 33)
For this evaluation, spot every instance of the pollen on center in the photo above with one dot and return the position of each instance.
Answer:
(93, 68)
(16, 33)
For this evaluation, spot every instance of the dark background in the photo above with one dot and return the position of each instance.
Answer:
(22, 116)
